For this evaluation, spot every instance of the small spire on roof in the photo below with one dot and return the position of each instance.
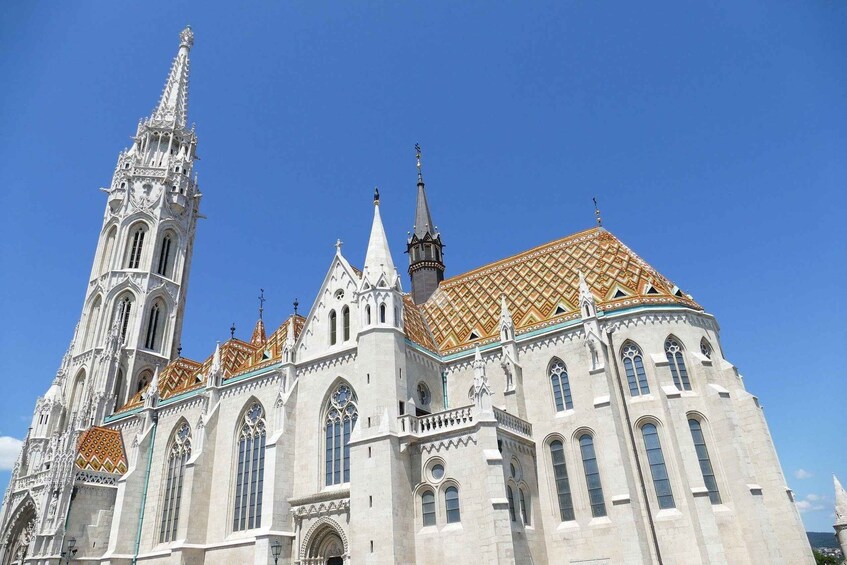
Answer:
(338, 244)
(418, 158)
(597, 212)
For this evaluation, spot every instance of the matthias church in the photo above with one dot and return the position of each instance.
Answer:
(568, 404)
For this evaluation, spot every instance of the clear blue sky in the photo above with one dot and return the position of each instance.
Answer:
(714, 136)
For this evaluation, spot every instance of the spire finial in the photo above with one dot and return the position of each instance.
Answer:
(338, 244)
(418, 158)
(597, 212)
(376, 196)
(296, 305)
(261, 302)
(186, 37)
(232, 331)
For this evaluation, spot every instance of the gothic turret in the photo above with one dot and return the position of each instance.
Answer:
(426, 252)
(380, 301)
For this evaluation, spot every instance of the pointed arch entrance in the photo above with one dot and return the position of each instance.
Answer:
(324, 544)
(20, 534)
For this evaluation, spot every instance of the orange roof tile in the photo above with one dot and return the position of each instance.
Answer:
(415, 325)
(101, 449)
(542, 288)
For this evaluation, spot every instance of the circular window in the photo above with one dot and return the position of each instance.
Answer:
(339, 294)
(437, 471)
(423, 394)
(512, 469)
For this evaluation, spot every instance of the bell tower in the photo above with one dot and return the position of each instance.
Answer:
(132, 314)
(426, 252)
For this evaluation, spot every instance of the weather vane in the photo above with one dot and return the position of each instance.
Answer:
(261, 302)
(418, 155)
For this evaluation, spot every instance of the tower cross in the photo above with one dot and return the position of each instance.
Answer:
(261, 302)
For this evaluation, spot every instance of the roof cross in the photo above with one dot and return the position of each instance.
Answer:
(261, 302)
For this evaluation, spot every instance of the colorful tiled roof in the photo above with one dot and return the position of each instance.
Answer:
(415, 325)
(183, 375)
(101, 449)
(542, 288)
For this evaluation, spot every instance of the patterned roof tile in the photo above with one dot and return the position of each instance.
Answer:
(101, 449)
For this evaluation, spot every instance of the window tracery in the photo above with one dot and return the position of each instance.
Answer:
(561, 385)
(673, 352)
(633, 363)
(178, 456)
(341, 416)
(251, 470)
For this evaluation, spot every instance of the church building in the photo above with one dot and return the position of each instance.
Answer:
(568, 404)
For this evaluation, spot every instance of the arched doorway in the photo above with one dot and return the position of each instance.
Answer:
(325, 544)
(20, 535)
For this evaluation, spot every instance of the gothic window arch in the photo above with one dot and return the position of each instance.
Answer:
(108, 250)
(123, 313)
(249, 478)
(706, 348)
(560, 384)
(91, 323)
(333, 329)
(451, 504)
(76, 394)
(560, 474)
(345, 323)
(510, 497)
(658, 469)
(526, 513)
(144, 378)
(706, 469)
(633, 362)
(428, 507)
(155, 325)
(676, 361)
(178, 455)
(165, 260)
(119, 387)
(341, 413)
(592, 475)
(135, 247)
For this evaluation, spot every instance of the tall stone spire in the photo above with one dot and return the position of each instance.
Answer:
(424, 246)
(173, 105)
(378, 259)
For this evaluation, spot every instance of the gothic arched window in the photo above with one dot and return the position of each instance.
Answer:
(144, 379)
(119, 385)
(560, 473)
(592, 476)
(368, 314)
(332, 327)
(136, 246)
(451, 504)
(91, 323)
(345, 323)
(108, 249)
(164, 266)
(341, 416)
(511, 498)
(178, 456)
(673, 351)
(561, 385)
(706, 348)
(122, 315)
(658, 470)
(705, 462)
(525, 513)
(428, 508)
(382, 313)
(153, 327)
(633, 363)
(250, 473)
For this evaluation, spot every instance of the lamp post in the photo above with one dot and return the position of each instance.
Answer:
(276, 549)
(68, 554)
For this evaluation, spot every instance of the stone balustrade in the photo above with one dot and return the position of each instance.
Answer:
(513, 423)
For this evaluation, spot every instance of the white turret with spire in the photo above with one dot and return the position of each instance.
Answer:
(380, 291)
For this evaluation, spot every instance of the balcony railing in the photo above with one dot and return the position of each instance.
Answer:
(458, 418)
(513, 423)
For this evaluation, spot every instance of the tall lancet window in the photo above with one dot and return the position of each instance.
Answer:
(658, 469)
(151, 341)
(341, 416)
(249, 479)
(705, 462)
(163, 268)
(592, 476)
(673, 351)
(345, 322)
(563, 487)
(136, 246)
(122, 315)
(333, 335)
(634, 365)
(178, 456)
(561, 385)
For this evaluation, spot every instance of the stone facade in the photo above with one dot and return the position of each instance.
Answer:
(567, 405)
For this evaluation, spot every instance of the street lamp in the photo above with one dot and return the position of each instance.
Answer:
(71, 551)
(276, 549)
